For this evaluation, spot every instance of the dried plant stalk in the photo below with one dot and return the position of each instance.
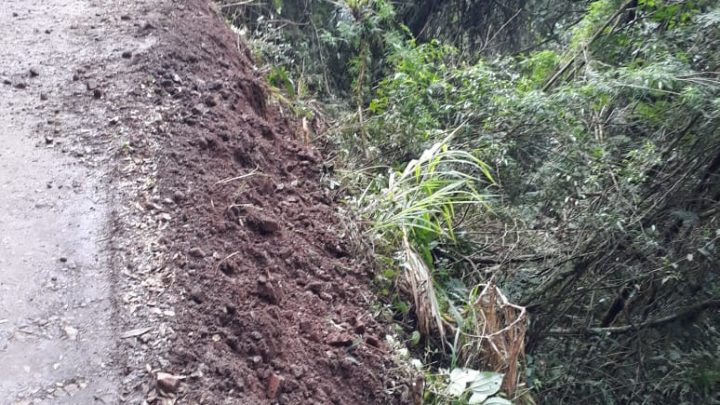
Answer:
(420, 283)
(497, 338)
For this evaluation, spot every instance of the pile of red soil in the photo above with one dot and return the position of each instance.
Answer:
(276, 309)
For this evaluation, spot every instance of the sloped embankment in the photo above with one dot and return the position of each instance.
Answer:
(276, 308)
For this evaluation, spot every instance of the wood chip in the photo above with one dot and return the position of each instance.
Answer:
(135, 333)
(168, 382)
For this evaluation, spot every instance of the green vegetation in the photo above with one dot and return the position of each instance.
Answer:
(542, 179)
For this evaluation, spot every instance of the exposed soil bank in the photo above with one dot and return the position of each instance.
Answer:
(277, 310)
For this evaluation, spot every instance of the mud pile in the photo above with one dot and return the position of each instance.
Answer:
(276, 310)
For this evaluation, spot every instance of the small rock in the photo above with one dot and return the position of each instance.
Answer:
(215, 86)
(125, 17)
(70, 332)
(199, 109)
(268, 291)
(176, 78)
(20, 85)
(43, 97)
(152, 206)
(90, 85)
(168, 382)
(297, 371)
(63, 259)
(240, 384)
(196, 252)
(49, 140)
(6, 81)
(262, 224)
(197, 294)
(339, 339)
(308, 155)
(305, 327)
(127, 54)
(14, 14)
(48, 31)
(373, 341)
(71, 389)
(210, 101)
(34, 72)
(233, 343)
(97, 93)
(178, 197)
(315, 286)
(348, 363)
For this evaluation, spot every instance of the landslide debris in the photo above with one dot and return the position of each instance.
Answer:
(271, 315)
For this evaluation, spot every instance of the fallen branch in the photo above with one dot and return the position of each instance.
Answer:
(515, 259)
(686, 313)
(231, 179)
(238, 4)
(597, 35)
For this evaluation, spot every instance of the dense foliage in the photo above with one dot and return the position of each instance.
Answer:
(566, 151)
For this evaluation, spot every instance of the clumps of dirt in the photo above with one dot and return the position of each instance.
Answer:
(275, 310)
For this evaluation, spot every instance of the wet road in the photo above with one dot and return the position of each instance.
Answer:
(56, 338)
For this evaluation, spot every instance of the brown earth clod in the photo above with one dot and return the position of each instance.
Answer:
(272, 298)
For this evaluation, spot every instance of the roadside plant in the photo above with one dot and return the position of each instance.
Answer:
(600, 220)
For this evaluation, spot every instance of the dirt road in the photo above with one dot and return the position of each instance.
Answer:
(164, 233)
(57, 332)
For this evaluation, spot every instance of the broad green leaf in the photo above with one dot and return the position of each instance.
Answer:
(497, 401)
(484, 385)
(459, 379)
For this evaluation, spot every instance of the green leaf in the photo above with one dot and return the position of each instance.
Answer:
(459, 379)
(497, 401)
(415, 338)
(485, 385)
(482, 385)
